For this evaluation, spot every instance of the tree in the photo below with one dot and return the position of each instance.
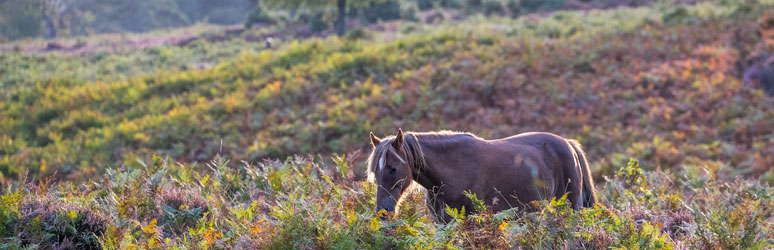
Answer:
(51, 11)
(19, 19)
(340, 5)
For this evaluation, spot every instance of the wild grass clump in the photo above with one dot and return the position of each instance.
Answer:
(180, 209)
(56, 225)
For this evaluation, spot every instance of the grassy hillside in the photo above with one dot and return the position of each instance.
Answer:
(658, 83)
(661, 84)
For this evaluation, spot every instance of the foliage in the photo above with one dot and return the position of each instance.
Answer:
(376, 9)
(315, 203)
(258, 16)
(424, 4)
(491, 7)
(73, 18)
(357, 34)
(381, 11)
(56, 225)
(21, 18)
(51, 18)
(535, 5)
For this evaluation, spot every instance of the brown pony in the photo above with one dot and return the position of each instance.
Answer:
(504, 173)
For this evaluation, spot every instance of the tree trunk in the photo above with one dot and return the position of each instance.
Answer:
(46, 12)
(341, 21)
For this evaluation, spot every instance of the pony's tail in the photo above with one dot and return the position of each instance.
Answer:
(589, 195)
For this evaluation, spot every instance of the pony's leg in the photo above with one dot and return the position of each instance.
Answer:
(436, 206)
(441, 214)
(573, 182)
(575, 193)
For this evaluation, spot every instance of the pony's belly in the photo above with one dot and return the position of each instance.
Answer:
(517, 184)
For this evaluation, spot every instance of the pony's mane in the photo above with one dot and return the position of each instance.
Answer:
(440, 134)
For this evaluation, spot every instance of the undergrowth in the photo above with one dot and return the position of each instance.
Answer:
(314, 203)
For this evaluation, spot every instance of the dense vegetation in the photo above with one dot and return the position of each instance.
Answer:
(20, 19)
(306, 203)
(63, 18)
(662, 84)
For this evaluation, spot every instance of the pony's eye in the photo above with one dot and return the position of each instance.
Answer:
(393, 169)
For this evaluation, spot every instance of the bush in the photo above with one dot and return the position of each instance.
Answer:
(409, 13)
(357, 34)
(180, 210)
(531, 5)
(761, 73)
(492, 7)
(452, 4)
(60, 226)
(9, 212)
(514, 8)
(473, 4)
(435, 17)
(258, 16)
(541, 5)
(766, 78)
(425, 4)
(382, 11)
(676, 16)
(316, 21)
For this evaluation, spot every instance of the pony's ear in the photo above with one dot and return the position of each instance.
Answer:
(398, 142)
(375, 140)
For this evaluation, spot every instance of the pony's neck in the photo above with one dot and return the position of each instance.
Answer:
(429, 175)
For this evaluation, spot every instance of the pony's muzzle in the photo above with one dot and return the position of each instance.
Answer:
(388, 205)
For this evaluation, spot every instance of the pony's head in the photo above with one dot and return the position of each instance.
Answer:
(391, 166)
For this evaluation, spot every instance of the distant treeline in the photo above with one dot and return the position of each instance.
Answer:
(55, 18)
(62, 18)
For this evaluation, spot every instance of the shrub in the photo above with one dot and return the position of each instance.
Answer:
(492, 7)
(258, 16)
(409, 13)
(180, 209)
(60, 226)
(452, 4)
(382, 11)
(541, 5)
(473, 4)
(435, 17)
(425, 4)
(10, 205)
(357, 34)
(766, 77)
(316, 20)
(675, 16)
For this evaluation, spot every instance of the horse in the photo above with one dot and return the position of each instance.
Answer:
(504, 173)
